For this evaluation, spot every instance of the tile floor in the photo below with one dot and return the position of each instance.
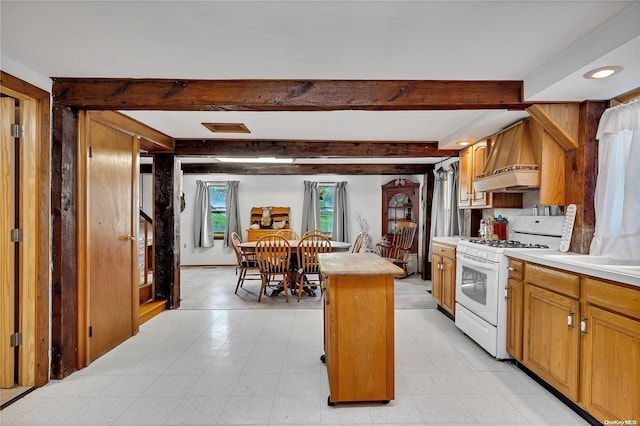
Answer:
(262, 367)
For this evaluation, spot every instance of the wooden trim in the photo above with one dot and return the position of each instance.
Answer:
(83, 244)
(560, 121)
(286, 95)
(149, 138)
(38, 173)
(309, 148)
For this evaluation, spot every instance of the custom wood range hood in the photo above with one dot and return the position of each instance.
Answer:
(513, 164)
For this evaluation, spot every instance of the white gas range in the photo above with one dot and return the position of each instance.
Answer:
(481, 278)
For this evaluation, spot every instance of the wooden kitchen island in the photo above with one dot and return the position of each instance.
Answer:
(358, 326)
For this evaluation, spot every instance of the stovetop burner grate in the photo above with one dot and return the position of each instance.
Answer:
(507, 244)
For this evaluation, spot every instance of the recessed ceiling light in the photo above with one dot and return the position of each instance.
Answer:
(464, 143)
(227, 127)
(603, 72)
(254, 160)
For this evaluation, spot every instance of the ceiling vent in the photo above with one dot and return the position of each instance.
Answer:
(227, 127)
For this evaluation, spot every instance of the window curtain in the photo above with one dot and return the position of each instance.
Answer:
(617, 194)
(340, 231)
(456, 216)
(310, 207)
(231, 209)
(446, 217)
(202, 227)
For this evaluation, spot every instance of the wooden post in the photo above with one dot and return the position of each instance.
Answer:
(64, 236)
(166, 221)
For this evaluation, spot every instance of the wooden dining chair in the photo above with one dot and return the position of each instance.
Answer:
(313, 232)
(309, 275)
(289, 234)
(273, 254)
(357, 244)
(246, 265)
(395, 247)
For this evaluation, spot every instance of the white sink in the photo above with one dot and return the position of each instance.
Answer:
(627, 267)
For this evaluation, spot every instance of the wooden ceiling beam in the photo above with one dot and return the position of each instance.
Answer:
(308, 148)
(286, 95)
(301, 169)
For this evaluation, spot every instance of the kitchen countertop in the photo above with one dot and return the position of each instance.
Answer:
(452, 241)
(539, 256)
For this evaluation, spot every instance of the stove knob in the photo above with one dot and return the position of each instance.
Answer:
(484, 254)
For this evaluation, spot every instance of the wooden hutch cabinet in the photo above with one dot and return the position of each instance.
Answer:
(400, 202)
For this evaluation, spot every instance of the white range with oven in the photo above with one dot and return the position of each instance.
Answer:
(481, 278)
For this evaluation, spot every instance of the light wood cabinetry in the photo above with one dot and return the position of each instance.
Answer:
(472, 161)
(359, 326)
(610, 388)
(278, 214)
(443, 276)
(515, 300)
(579, 334)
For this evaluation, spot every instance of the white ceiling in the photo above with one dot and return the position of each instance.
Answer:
(547, 44)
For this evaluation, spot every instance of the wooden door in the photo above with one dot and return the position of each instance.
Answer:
(479, 158)
(436, 278)
(111, 231)
(448, 284)
(611, 354)
(7, 247)
(514, 318)
(465, 189)
(551, 343)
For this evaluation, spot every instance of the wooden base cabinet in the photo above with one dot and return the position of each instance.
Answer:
(515, 300)
(579, 334)
(359, 326)
(610, 388)
(443, 276)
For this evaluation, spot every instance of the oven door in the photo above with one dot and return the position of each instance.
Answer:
(477, 286)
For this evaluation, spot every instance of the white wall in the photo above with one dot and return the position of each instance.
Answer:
(364, 196)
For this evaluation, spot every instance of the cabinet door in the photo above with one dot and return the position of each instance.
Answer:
(449, 284)
(611, 361)
(551, 339)
(514, 318)
(465, 181)
(436, 278)
(479, 152)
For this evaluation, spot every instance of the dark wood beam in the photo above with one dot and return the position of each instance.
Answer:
(286, 95)
(302, 169)
(308, 148)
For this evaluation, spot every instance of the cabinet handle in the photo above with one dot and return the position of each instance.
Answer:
(511, 268)
(583, 326)
(570, 320)
(128, 237)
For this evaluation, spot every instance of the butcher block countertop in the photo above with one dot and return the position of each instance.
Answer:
(356, 264)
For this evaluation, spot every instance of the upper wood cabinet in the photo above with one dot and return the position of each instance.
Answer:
(400, 203)
(472, 160)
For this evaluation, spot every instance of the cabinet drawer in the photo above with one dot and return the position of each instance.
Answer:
(553, 279)
(612, 296)
(516, 268)
(443, 250)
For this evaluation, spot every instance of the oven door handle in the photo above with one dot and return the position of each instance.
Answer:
(481, 265)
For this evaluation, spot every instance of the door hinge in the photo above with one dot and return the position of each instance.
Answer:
(16, 339)
(90, 331)
(17, 130)
(16, 235)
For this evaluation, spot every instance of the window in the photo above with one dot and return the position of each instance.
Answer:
(217, 201)
(326, 193)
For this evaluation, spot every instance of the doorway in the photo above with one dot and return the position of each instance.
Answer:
(24, 186)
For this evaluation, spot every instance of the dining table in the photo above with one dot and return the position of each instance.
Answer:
(249, 248)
